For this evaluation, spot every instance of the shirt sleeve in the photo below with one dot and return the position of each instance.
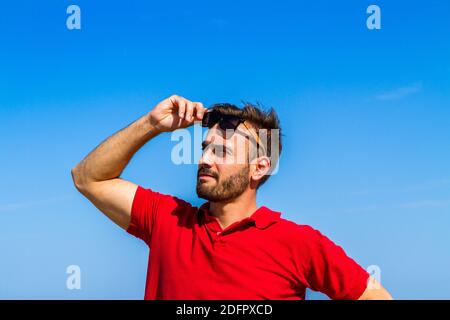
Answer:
(327, 268)
(144, 211)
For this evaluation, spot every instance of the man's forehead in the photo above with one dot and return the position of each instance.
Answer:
(216, 135)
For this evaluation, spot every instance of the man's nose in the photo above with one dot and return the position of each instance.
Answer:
(206, 159)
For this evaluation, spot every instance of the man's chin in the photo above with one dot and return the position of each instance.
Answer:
(203, 191)
(202, 195)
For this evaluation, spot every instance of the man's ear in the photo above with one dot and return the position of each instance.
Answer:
(262, 167)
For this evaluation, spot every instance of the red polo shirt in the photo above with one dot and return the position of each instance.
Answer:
(260, 257)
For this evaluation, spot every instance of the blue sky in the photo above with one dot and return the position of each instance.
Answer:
(365, 117)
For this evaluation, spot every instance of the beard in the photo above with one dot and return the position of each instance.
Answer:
(223, 190)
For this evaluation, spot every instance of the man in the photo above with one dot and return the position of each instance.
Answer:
(228, 248)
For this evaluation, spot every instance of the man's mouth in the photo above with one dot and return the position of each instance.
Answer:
(205, 176)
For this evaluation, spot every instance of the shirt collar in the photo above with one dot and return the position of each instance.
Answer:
(262, 217)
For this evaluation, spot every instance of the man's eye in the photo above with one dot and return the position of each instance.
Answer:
(219, 152)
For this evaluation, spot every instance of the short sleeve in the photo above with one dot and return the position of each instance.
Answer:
(144, 210)
(328, 269)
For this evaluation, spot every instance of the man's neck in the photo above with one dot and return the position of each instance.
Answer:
(235, 210)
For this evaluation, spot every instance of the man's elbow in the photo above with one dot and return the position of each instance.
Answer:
(77, 178)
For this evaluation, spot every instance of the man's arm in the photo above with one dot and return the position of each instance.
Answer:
(375, 291)
(97, 175)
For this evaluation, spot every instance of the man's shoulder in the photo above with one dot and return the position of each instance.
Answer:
(164, 202)
(296, 231)
(161, 196)
(291, 225)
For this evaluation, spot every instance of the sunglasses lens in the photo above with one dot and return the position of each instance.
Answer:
(226, 122)
(229, 123)
(210, 119)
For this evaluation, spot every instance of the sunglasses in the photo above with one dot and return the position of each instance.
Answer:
(227, 122)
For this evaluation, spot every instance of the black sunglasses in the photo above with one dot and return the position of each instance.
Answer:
(225, 121)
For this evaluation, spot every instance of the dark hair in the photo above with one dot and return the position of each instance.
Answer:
(259, 118)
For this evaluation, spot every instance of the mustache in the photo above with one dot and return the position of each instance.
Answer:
(208, 172)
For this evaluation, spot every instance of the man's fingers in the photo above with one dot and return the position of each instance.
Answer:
(200, 110)
(189, 111)
(181, 104)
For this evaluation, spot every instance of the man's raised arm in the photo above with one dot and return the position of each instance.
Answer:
(97, 175)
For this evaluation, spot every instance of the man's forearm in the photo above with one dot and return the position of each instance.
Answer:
(109, 159)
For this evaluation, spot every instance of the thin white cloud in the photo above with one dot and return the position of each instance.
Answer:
(8, 207)
(434, 184)
(426, 204)
(361, 209)
(419, 204)
(400, 93)
(426, 185)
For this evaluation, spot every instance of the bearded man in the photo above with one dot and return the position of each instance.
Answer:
(228, 248)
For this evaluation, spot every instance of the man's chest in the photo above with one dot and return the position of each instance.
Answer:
(203, 265)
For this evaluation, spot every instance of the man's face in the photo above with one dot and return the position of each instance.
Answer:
(224, 170)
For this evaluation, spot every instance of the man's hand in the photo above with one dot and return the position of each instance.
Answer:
(375, 291)
(175, 112)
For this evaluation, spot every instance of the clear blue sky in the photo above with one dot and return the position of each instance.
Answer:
(365, 114)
